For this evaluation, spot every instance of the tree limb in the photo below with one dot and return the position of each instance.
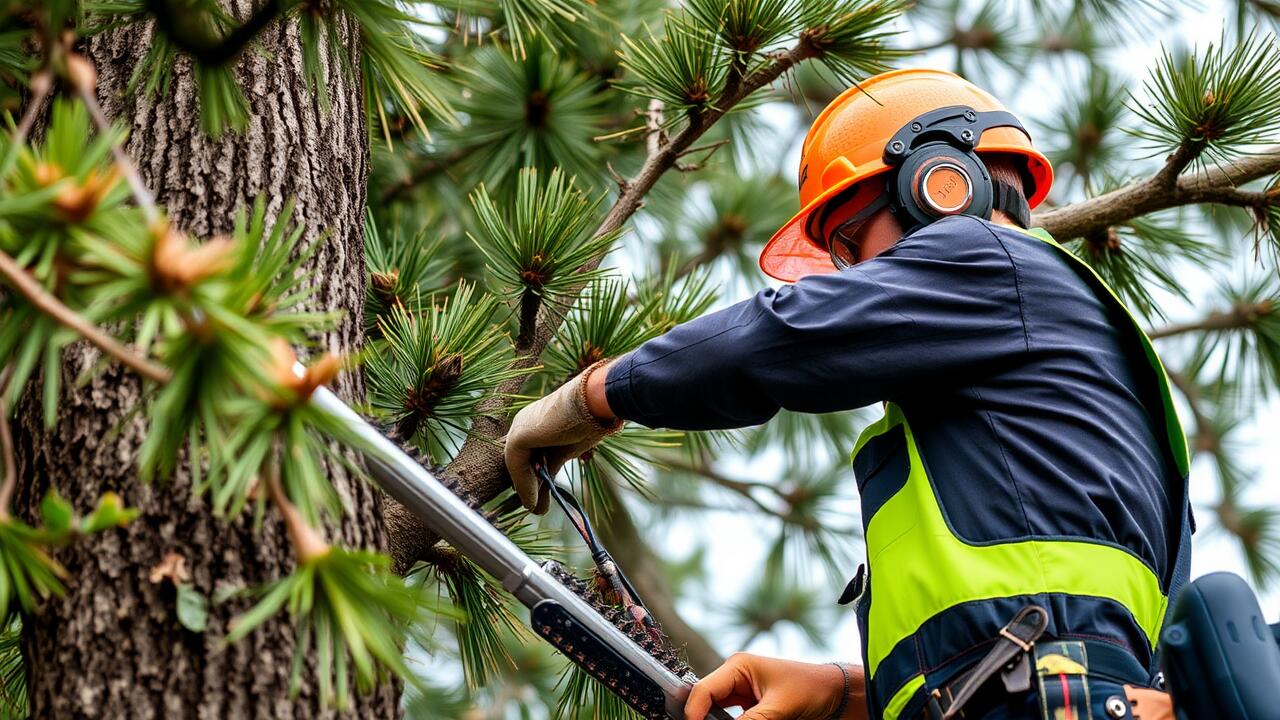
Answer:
(1215, 184)
(86, 86)
(432, 166)
(1205, 437)
(478, 465)
(46, 303)
(1242, 315)
(190, 31)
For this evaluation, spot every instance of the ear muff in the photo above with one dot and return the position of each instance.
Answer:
(936, 172)
(937, 180)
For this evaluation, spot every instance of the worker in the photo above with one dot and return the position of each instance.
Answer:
(1024, 497)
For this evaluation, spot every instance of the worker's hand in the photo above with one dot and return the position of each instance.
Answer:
(772, 689)
(555, 430)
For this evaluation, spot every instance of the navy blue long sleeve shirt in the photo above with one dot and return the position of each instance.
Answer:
(1018, 381)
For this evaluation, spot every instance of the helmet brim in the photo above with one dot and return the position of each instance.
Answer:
(790, 254)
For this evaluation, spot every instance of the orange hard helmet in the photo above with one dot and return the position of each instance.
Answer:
(847, 145)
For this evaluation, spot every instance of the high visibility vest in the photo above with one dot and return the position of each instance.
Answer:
(918, 568)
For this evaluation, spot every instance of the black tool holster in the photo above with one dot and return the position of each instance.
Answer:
(1011, 657)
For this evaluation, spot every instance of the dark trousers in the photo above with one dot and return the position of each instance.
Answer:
(1079, 698)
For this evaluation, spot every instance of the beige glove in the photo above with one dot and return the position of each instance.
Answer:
(555, 429)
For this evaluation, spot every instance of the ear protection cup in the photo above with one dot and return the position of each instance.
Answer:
(935, 171)
(937, 180)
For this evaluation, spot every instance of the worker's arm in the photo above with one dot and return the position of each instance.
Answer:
(769, 688)
(941, 303)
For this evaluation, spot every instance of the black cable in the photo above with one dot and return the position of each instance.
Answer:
(578, 517)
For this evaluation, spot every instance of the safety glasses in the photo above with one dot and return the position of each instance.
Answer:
(842, 243)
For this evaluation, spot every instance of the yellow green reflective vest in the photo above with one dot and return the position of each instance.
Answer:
(925, 585)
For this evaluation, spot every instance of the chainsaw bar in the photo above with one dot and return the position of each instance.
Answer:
(633, 661)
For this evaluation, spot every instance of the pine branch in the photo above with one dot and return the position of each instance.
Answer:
(40, 85)
(741, 487)
(307, 541)
(1216, 184)
(1239, 317)
(46, 303)
(479, 463)
(1205, 436)
(423, 172)
(189, 30)
(85, 80)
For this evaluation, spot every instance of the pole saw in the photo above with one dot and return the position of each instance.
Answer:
(621, 647)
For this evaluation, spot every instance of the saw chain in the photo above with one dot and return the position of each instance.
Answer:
(618, 644)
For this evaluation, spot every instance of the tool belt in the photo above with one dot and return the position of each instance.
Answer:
(1022, 664)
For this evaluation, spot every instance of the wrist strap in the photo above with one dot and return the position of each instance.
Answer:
(585, 409)
(844, 695)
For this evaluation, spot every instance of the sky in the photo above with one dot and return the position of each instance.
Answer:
(735, 543)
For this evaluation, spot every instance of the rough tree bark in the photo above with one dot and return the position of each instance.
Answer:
(113, 646)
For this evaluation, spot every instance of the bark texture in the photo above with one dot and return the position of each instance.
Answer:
(113, 647)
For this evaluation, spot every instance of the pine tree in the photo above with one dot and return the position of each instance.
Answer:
(447, 209)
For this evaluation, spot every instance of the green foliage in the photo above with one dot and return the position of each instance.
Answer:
(202, 29)
(747, 26)
(396, 71)
(61, 198)
(673, 300)
(1243, 352)
(741, 213)
(808, 441)
(28, 573)
(219, 318)
(811, 527)
(526, 21)
(1086, 128)
(486, 619)
(604, 323)
(1140, 256)
(552, 76)
(13, 674)
(623, 457)
(986, 39)
(431, 370)
(402, 271)
(192, 608)
(350, 611)
(535, 111)
(851, 36)
(685, 69)
(16, 66)
(1266, 220)
(582, 697)
(774, 602)
(1220, 102)
(547, 234)
(607, 323)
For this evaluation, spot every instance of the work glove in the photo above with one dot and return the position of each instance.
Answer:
(553, 430)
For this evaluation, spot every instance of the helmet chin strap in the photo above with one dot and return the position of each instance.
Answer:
(1008, 200)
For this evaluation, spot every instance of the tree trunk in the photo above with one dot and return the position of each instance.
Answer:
(113, 646)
